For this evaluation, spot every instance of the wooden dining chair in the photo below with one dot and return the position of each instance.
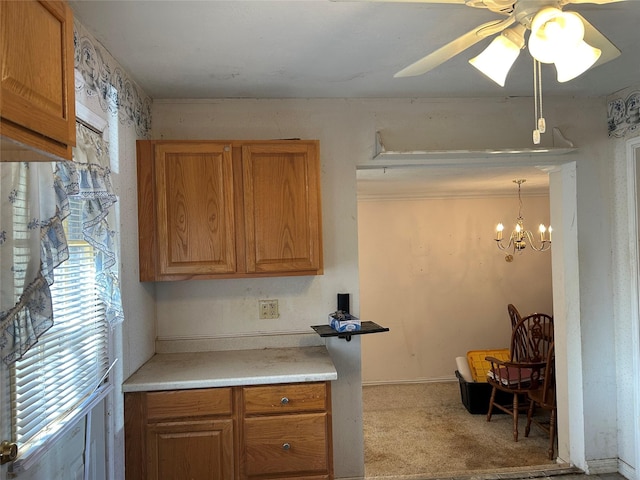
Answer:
(531, 339)
(514, 315)
(545, 397)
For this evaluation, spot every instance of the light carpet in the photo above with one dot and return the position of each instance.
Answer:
(424, 430)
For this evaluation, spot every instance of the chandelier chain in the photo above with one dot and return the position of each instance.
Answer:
(519, 182)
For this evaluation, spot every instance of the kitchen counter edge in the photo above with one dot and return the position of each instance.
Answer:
(186, 370)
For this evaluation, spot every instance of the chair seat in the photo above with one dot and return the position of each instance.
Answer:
(512, 376)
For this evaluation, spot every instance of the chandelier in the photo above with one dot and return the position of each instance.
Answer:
(521, 237)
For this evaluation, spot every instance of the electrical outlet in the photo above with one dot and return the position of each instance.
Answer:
(268, 309)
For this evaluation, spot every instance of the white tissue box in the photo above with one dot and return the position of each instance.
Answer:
(344, 322)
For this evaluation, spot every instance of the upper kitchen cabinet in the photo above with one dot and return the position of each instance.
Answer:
(229, 209)
(186, 209)
(37, 98)
(281, 185)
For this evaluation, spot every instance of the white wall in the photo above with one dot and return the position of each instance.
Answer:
(626, 312)
(431, 272)
(346, 131)
(596, 328)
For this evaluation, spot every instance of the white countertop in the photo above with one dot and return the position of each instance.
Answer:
(171, 371)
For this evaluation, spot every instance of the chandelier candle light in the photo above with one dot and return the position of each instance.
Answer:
(520, 236)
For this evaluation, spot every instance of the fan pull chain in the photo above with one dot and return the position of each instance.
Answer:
(536, 129)
(542, 124)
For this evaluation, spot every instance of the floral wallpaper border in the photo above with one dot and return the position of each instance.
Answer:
(115, 92)
(624, 115)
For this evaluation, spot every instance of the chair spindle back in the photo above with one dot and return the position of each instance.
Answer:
(531, 338)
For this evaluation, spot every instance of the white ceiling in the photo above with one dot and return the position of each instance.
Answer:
(322, 48)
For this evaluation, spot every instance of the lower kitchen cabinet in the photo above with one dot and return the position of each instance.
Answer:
(255, 432)
(287, 431)
(181, 434)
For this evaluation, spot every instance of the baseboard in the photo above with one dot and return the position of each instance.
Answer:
(452, 379)
(607, 465)
(626, 470)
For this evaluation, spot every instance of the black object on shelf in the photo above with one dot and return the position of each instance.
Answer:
(343, 302)
(365, 327)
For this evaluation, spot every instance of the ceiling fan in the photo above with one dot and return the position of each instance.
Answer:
(565, 39)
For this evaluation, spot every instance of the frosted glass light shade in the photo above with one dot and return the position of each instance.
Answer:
(496, 60)
(554, 33)
(576, 61)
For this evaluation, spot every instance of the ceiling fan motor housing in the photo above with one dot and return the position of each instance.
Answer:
(504, 7)
(525, 10)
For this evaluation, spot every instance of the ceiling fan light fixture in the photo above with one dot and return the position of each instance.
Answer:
(496, 60)
(576, 62)
(554, 33)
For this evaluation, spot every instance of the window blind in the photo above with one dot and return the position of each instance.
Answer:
(64, 368)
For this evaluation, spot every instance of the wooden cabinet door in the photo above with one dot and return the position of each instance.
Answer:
(197, 450)
(37, 96)
(195, 208)
(281, 182)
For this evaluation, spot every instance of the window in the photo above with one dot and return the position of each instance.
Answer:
(60, 298)
(63, 372)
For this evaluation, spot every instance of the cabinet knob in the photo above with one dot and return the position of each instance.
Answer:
(284, 401)
(286, 446)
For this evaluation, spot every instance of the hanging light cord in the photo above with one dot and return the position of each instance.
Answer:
(536, 132)
(540, 124)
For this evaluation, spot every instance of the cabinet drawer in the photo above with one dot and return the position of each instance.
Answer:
(189, 403)
(302, 397)
(286, 445)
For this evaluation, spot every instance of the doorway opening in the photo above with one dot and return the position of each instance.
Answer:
(463, 284)
(633, 203)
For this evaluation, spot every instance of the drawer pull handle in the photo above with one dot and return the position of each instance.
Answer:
(286, 446)
(284, 401)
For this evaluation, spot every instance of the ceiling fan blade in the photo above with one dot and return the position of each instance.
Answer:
(597, 2)
(460, 2)
(596, 39)
(455, 47)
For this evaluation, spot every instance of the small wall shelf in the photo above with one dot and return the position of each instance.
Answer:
(561, 146)
(365, 328)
